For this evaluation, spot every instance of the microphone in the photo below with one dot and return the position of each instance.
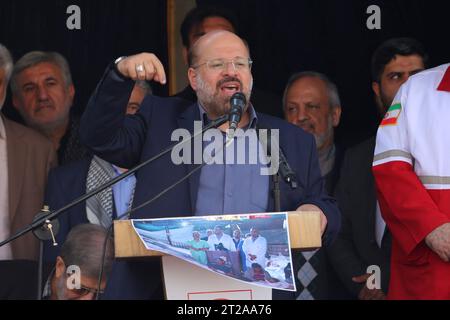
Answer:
(237, 102)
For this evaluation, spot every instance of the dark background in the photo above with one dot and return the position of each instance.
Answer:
(109, 29)
(329, 36)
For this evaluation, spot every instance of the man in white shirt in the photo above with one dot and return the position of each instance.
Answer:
(255, 249)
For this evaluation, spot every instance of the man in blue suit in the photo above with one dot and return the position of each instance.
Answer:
(220, 66)
(70, 181)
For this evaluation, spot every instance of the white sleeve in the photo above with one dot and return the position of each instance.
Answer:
(392, 142)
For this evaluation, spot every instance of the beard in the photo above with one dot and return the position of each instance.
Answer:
(61, 288)
(383, 103)
(323, 138)
(214, 103)
(49, 124)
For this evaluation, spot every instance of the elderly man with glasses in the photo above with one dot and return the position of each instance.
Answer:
(77, 268)
(220, 66)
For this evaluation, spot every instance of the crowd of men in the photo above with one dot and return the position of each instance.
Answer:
(391, 209)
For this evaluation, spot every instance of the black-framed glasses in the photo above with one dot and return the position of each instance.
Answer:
(82, 291)
(241, 64)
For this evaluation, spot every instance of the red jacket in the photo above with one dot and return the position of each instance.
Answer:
(412, 175)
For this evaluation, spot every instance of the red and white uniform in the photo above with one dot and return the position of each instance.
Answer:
(412, 174)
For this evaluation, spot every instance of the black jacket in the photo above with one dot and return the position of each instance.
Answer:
(355, 247)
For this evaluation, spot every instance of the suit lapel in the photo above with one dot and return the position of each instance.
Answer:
(17, 155)
(186, 121)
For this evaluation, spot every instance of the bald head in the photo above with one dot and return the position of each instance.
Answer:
(220, 66)
(213, 42)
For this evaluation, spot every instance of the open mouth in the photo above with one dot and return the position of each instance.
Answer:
(230, 88)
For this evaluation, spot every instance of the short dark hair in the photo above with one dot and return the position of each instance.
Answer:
(200, 13)
(392, 47)
(84, 248)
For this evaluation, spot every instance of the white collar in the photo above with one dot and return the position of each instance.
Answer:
(2, 128)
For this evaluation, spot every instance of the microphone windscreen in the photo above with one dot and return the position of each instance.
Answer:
(238, 99)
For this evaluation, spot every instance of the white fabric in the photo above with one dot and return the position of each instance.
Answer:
(5, 251)
(258, 248)
(225, 239)
(380, 226)
(427, 112)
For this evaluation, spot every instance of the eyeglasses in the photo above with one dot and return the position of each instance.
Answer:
(241, 64)
(82, 291)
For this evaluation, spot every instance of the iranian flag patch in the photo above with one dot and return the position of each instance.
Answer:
(391, 116)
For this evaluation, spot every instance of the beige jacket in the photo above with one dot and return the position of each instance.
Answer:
(30, 157)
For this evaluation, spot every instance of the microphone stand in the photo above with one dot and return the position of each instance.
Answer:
(284, 170)
(156, 197)
(276, 191)
(45, 217)
(48, 231)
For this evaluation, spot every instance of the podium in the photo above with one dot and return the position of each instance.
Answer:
(304, 234)
(180, 278)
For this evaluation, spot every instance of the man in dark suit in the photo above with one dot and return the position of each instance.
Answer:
(311, 101)
(363, 240)
(220, 66)
(69, 182)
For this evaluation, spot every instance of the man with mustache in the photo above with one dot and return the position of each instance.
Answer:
(410, 167)
(25, 159)
(220, 66)
(311, 102)
(83, 250)
(364, 239)
(43, 94)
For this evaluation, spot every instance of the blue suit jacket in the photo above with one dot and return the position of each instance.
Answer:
(128, 140)
(65, 184)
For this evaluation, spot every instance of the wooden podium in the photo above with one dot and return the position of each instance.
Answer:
(304, 233)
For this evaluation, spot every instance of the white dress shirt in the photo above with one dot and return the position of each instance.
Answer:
(258, 248)
(225, 239)
(5, 251)
(380, 226)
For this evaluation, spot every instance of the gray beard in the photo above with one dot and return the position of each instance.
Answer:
(321, 139)
(209, 101)
(61, 289)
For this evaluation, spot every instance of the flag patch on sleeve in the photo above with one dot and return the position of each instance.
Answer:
(391, 116)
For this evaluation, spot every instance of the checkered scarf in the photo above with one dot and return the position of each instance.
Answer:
(99, 208)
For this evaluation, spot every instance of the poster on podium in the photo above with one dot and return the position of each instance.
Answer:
(249, 248)
(185, 281)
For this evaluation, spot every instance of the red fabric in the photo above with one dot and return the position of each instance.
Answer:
(411, 212)
(445, 82)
